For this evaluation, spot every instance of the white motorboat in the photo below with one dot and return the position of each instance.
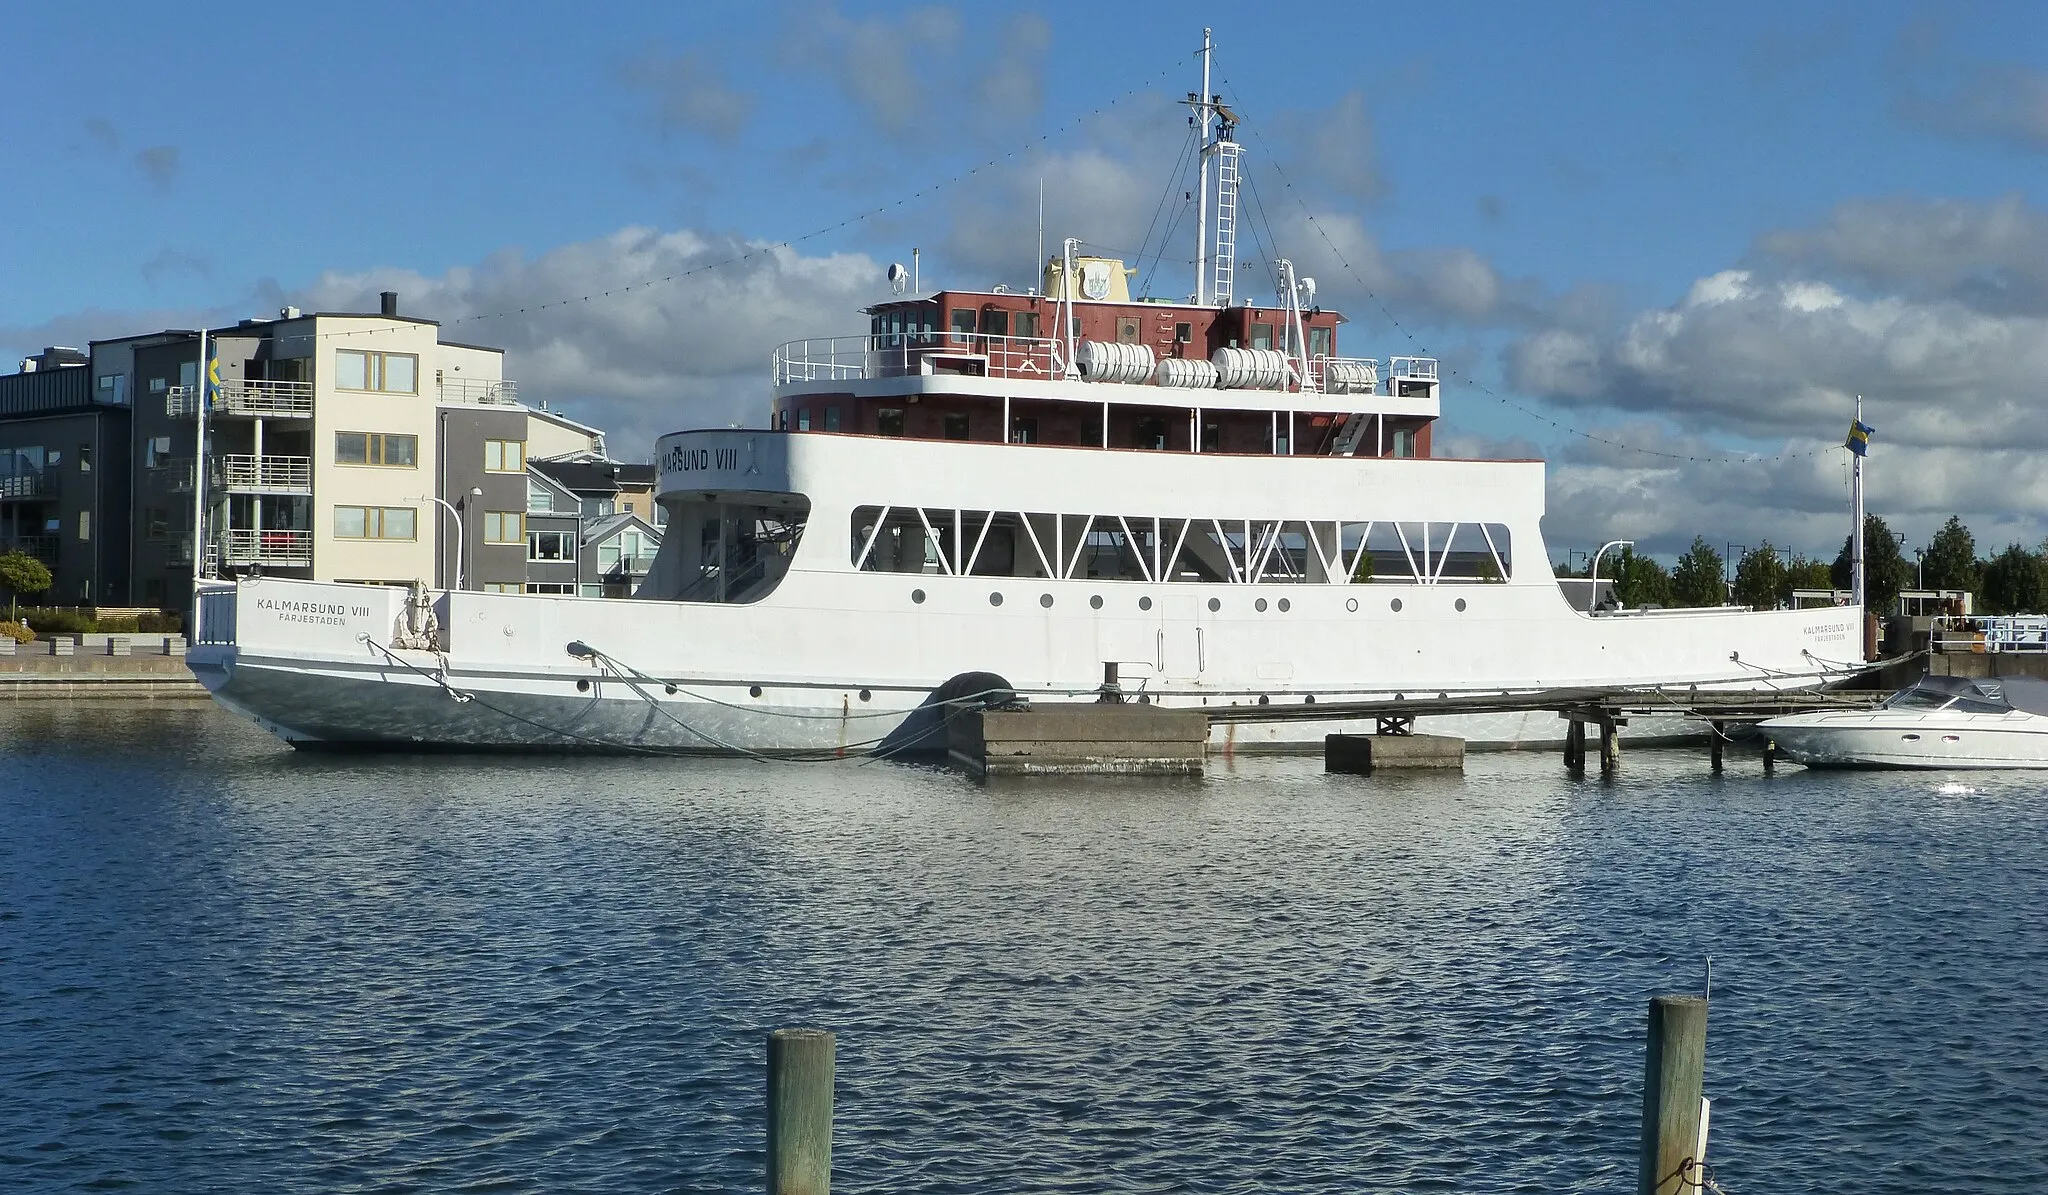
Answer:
(1941, 722)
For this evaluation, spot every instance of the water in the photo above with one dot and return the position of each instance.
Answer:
(228, 967)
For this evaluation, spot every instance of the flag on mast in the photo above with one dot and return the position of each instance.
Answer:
(210, 390)
(1859, 438)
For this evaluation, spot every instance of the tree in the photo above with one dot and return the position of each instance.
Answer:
(1760, 578)
(1640, 581)
(1885, 571)
(22, 573)
(1950, 561)
(1804, 573)
(1697, 579)
(2015, 582)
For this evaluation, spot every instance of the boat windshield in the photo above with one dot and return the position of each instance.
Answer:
(1919, 699)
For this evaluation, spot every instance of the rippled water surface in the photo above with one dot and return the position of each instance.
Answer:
(228, 967)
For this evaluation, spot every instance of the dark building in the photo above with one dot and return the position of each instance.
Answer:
(64, 477)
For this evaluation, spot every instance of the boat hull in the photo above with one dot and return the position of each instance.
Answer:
(1935, 741)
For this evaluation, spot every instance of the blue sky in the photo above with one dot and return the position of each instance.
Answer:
(1695, 232)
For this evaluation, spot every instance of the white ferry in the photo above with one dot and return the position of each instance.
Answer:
(1201, 502)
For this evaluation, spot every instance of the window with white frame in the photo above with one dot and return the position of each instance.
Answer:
(539, 498)
(559, 588)
(554, 546)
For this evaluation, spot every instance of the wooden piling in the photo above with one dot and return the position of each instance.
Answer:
(1674, 1063)
(1610, 747)
(1770, 757)
(800, 1066)
(1720, 737)
(1575, 747)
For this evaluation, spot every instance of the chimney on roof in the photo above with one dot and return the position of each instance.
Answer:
(390, 299)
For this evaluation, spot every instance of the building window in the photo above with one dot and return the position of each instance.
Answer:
(504, 527)
(389, 373)
(85, 458)
(159, 385)
(376, 448)
(373, 522)
(157, 453)
(1404, 442)
(114, 389)
(551, 545)
(539, 498)
(558, 588)
(596, 591)
(803, 419)
(156, 522)
(85, 524)
(831, 419)
(1262, 336)
(956, 426)
(503, 587)
(889, 421)
(1319, 342)
(504, 456)
(596, 508)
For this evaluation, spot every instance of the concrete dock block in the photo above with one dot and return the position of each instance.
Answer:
(1104, 738)
(7, 645)
(1362, 754)
(63, 645)
(117, 645)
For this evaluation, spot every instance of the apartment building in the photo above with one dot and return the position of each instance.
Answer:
(64, 456)
(487, 439)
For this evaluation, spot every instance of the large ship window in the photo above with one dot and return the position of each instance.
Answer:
(1319, 342)
(904, 539)
(889, 421)
(728, 551)
(963, 322)
(995, 322)
(1027, 324)
(1262, 336)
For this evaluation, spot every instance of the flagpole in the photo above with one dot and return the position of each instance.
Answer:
(199, 489)
(1856, 581)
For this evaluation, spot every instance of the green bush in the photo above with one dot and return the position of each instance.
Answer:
(164, 623)
(117, 626)
(51, 620)
(16, 631)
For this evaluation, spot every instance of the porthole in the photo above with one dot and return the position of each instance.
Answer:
(867, 695)
(1285, 605)
(1460, 605)
(1144, 603)
(1095, 603)
(1395, 605)
(1144, 699)
(1045, 599)
(917, 595)
(754, 691)
(1260, 605)
(1351, 604)
(583, 686)
(1310, 699)
(671, 690)
(1215, 604)
(995, 599)
(1265, 700)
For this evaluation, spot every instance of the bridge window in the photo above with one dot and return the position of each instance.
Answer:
(1262, 336)
(889, 421)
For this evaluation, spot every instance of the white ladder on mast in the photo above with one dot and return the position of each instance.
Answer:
(1226, 221)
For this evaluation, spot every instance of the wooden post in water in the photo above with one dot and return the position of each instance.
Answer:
(1770, 756)
(800, 1065)
(1610, 747)
(1674, 1063)
(1720, 736)
(1575, 747)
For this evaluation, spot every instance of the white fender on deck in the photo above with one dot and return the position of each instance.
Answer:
(1250, 369)
(1102, 361)
(1184, 374)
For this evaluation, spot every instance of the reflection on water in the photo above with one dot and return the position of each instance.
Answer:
(225, 966)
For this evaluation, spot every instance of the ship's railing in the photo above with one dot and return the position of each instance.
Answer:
(286, 548)
(236, 472)
(485, 392)
(902, 354)
(2021, 634)
(216, 612)
(244, 398)
(1412, 367)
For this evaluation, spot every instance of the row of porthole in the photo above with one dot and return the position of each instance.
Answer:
(583, 686)
(1215, 604)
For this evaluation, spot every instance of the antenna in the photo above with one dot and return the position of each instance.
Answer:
(1038, 263)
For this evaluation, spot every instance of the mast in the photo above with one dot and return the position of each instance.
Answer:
(205, 389)
(1205, 109)
(1856, 533)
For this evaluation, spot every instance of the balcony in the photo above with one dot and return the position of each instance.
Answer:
(28, 485)
(266, 400)
(483, 392)
(42, 547)
(263, 474)
(283, 549)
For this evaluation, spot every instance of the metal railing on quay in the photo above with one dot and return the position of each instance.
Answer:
(480, 391)
(245, 545)
(237, 472)
(2012, 634)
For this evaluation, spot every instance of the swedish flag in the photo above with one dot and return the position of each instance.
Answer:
(212, 386)
(1859, 438)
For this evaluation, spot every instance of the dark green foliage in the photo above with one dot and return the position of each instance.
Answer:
(1803, 573)
(23, 575)
(2015, 582)
(1697, 579)
(1760, 578)
(1950, 561)
(1640, 581)
(53, 620)
(1885, 571)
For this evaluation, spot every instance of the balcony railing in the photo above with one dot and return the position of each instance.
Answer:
(32, 483)
(286, 549)
(488, 392)
(42, 547)
(277, 474)
(266, 399)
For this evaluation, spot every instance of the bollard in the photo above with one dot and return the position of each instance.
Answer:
(800, 1064)
(1674, 1062)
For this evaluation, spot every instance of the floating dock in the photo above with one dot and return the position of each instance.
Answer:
(1107, 737)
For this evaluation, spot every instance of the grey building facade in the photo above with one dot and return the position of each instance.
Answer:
(64, 478)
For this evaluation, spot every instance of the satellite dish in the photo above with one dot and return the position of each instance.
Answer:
(899, 278)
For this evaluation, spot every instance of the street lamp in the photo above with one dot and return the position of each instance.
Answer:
(1593, 590)
(1920, 568)
(443, 503)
